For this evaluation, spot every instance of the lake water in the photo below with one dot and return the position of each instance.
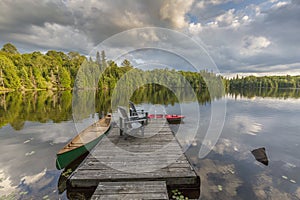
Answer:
(34, 126)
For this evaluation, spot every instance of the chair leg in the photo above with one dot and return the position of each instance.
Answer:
(121, 126)
(146, 118)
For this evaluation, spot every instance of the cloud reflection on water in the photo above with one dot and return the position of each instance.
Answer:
(28, 161)
(231, 172)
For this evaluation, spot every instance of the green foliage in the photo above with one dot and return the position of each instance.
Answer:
(53, 71)
(177, 195)
(57, 71)
(251, 82)
(41, 106)
(126, 63)
(67, 173)
(9, 48)
(265, 92)
(8, 74)
(65, 79)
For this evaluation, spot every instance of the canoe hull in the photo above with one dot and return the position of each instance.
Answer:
(67, 156)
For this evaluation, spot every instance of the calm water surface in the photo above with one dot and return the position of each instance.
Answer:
(32, 133)
(230, 170)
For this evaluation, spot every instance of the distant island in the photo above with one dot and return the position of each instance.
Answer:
(58, 71)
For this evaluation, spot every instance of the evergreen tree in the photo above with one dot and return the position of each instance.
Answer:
(103, 60)
(98, 59)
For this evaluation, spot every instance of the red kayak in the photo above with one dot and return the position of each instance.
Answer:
(174, 118)
(170, 118)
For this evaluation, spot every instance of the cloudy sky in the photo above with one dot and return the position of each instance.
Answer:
(241, 36)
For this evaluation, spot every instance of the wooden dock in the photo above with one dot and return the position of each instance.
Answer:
(131, 190)
(155, 157)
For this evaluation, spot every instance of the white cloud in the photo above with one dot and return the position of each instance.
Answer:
(226, 18)
(278, 70)
(128, 19)
(280, 4)
(252, 45)
(204, 3)
(6, 185)
(175, 10)
(56, 36)
(149, 36)
(245, 18)
(213, 24)
(139, 61)
(246, 125)
(195, 28)
(34, 178)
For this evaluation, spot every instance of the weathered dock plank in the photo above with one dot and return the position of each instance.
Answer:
(154, 156)
(130, 190)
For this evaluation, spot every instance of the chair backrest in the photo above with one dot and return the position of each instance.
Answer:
(133, 109)
(124, 115)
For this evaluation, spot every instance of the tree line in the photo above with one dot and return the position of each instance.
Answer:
(60, 71)
(264, 82)
(63, 71)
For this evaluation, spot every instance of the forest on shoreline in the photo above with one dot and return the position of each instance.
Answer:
(60, 71)
(43, 106)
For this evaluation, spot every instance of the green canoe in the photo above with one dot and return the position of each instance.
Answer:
(83, 142)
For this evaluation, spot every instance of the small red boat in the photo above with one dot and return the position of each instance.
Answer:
(170, 118)
(174, 118)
